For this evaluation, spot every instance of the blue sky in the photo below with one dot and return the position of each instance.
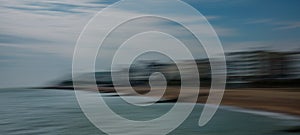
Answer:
(37, 37)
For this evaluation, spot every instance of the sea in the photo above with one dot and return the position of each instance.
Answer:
(56, 112)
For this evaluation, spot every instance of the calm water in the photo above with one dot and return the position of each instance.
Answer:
(56, 112)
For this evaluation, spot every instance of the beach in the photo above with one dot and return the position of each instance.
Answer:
(266, 99)
(54, 111)
(274, 100)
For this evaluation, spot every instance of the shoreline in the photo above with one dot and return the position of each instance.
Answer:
(276, 115)
(285, 101)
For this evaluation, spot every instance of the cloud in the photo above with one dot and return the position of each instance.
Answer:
(213, 17)
(287, 25)
(259, 21)
(278, 25)
(54, 26)
(55, 6)
(44, 26)
(13, 39)
(261, 45)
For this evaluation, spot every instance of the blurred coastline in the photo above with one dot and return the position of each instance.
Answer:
(260, 80)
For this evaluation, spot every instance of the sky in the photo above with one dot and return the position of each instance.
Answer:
(37, 37)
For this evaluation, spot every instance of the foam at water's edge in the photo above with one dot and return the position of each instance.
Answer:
(262, 113)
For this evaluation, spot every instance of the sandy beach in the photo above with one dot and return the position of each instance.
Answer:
(267, 99)
(281, 100)
(274, 100)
